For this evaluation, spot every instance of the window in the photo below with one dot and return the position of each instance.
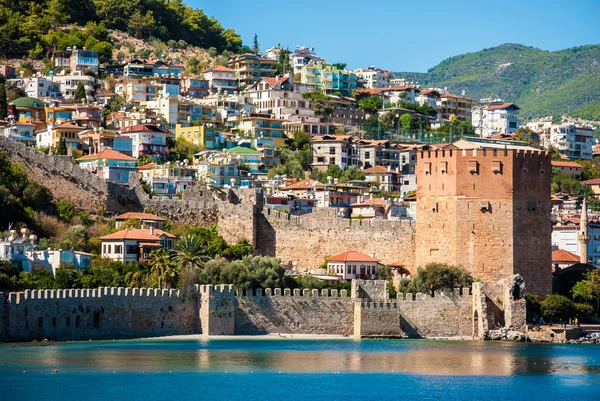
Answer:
(132, 249)
(332, 150)
(367, 155)
(332, 160)
(109, 248)
(118, 249)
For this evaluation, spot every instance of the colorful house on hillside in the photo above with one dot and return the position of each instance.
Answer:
(352, 265)
(221, 80)
(51, 136)
(135, 245)
(110, 165)
(571, 169)
(52, 259)
(147, 139)
(371, 208)
(22, 132)
(28, 110)
(95, 141)
(248, 156)
(385, 179)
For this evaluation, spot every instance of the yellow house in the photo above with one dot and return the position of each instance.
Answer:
(29, 110)
(61, 113)
(205, 136)
(52, 134)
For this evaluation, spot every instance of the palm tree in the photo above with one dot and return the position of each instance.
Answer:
(190, 257)
(163, 268)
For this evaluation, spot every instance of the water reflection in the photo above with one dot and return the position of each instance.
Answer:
(306, 356)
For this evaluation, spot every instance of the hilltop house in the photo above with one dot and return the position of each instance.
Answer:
(146, 220)
(110, 165)
(134, 245)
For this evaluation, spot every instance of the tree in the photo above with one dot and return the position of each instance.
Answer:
(436, 276)
(163, 269)
(3, 101)
(339, 66)
(526, 135)
(255, 45)
(557, 307)
(371, 104)
(300, 141)
(406, 122)
(190, 257)
(140, 24)
(283, 65)
(79, 91)
(62, 147)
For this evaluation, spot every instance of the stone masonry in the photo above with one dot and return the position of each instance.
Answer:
(106, 313)
(488, 211)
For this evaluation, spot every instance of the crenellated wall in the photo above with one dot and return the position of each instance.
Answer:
(98, 313)
(106, 313)
(296, 312)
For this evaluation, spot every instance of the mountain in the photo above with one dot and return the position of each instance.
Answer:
(541, 82)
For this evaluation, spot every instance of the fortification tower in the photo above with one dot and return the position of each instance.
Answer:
(583, 236)
(487, 210)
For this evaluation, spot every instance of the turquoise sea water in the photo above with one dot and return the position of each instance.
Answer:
(259, 369)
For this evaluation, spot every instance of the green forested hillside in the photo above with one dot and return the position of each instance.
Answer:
(540, 82)
(29, 27)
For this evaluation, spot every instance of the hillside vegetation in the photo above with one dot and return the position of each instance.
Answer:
(30, 28)
(541, 82)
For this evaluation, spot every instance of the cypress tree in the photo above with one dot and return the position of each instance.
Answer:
(3, 101)
(80, 91)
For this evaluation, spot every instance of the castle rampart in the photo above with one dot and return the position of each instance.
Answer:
(219, 309)
(289, 237)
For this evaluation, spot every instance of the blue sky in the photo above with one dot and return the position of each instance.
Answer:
(401, 35)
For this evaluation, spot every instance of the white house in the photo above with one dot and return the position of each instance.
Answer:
(352, 265)
(50, 260)
(493, 119)
(14, 248)
(22, 132)
(373, 77)
(134, 244)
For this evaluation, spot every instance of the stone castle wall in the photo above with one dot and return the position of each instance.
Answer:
(308, 239)
(101, 313)
(217, 310)
(307, 312)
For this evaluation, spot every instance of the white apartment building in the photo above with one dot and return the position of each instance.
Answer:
(38, 87)
(571, 141)
(68, 84)
(428, 97)
(276, 96)
(373, 77)
(333, 149)
(221, 79)
(493, 119)
(302, 57)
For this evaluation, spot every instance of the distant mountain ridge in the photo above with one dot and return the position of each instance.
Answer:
(541, 82)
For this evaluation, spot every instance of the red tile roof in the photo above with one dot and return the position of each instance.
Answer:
(220, 68)
(143, 128)
(303, 184)
(595, 181)
(69, 126)
(370, 202)
(351, 256)
(380, 170)
(502, 106)
(148, 166)
(562, 256)
(137, 234)
(565, 164)
(108, 154)
(140, 216)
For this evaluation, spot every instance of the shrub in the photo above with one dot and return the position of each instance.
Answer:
(557, 307)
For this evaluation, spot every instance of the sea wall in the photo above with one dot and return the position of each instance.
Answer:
(219, 310)
(296, 312)
(101, 313)
(288, 237)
